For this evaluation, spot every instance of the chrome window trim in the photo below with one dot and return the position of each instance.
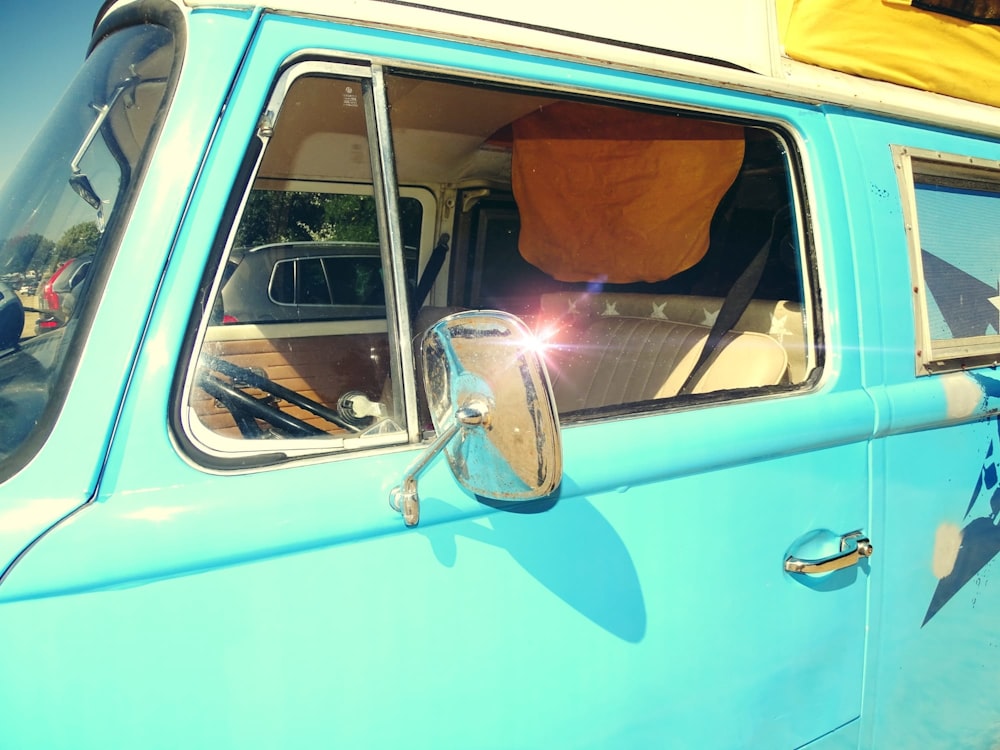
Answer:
(384, 175)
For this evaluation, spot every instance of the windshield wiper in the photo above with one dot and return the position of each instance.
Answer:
(78, 179)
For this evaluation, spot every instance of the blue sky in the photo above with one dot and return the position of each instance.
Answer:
(42, 43)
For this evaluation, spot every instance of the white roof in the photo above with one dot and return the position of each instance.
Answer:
(688, 28)
(675, 37)
(747, 38)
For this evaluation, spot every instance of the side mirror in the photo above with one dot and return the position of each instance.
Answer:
(491, 402)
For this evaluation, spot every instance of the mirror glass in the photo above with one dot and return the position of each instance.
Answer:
(484, 371)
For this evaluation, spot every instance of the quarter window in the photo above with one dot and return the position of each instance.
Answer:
(300, 345)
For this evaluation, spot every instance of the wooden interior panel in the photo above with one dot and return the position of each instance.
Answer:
(321, 368)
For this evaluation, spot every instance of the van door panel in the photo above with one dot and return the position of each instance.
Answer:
(935, 619)
(618, 614)
(644, 604)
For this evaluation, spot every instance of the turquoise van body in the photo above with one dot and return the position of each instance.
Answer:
(155, 593)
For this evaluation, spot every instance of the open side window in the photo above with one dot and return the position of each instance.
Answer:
(658, 253)
(950, 203)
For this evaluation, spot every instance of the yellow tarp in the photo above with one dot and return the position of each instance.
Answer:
(619, 195)
(888, 40)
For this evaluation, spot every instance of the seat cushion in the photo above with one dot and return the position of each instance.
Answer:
(617, 360)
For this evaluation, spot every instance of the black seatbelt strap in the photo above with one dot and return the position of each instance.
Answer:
(431, 271)
(733, 306)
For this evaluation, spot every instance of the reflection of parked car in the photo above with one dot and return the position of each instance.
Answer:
(301, 281)
(57, 297)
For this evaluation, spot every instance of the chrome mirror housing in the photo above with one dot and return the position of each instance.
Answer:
(491, 402)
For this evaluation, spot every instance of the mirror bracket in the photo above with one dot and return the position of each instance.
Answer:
(475, 412)
(490, 398)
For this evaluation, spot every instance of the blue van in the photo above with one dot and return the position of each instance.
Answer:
(681, 433)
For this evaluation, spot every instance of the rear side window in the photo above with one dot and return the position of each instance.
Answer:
(313, 288)
(311, 255)
(282, 286)
(951, 204)
(353, 280)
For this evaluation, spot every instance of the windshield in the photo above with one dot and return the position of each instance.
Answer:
(59, 214)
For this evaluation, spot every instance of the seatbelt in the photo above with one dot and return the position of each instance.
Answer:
(431, 271)
(733, 306)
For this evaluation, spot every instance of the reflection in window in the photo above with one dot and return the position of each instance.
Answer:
(60, 212)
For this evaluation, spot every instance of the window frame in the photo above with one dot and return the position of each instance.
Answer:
(388, 189)
(937, 167)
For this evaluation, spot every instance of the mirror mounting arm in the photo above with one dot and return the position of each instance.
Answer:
(404, 499)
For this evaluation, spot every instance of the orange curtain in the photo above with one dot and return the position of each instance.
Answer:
(618, 195)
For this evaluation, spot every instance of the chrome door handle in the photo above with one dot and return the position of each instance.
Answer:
(853, 547)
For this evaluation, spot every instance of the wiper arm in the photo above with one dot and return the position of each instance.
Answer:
(78, 179)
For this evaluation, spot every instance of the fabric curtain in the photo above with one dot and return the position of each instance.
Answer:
(619, 195)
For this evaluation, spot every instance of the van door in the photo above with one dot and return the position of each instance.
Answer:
(936, 623)
(699, 577)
